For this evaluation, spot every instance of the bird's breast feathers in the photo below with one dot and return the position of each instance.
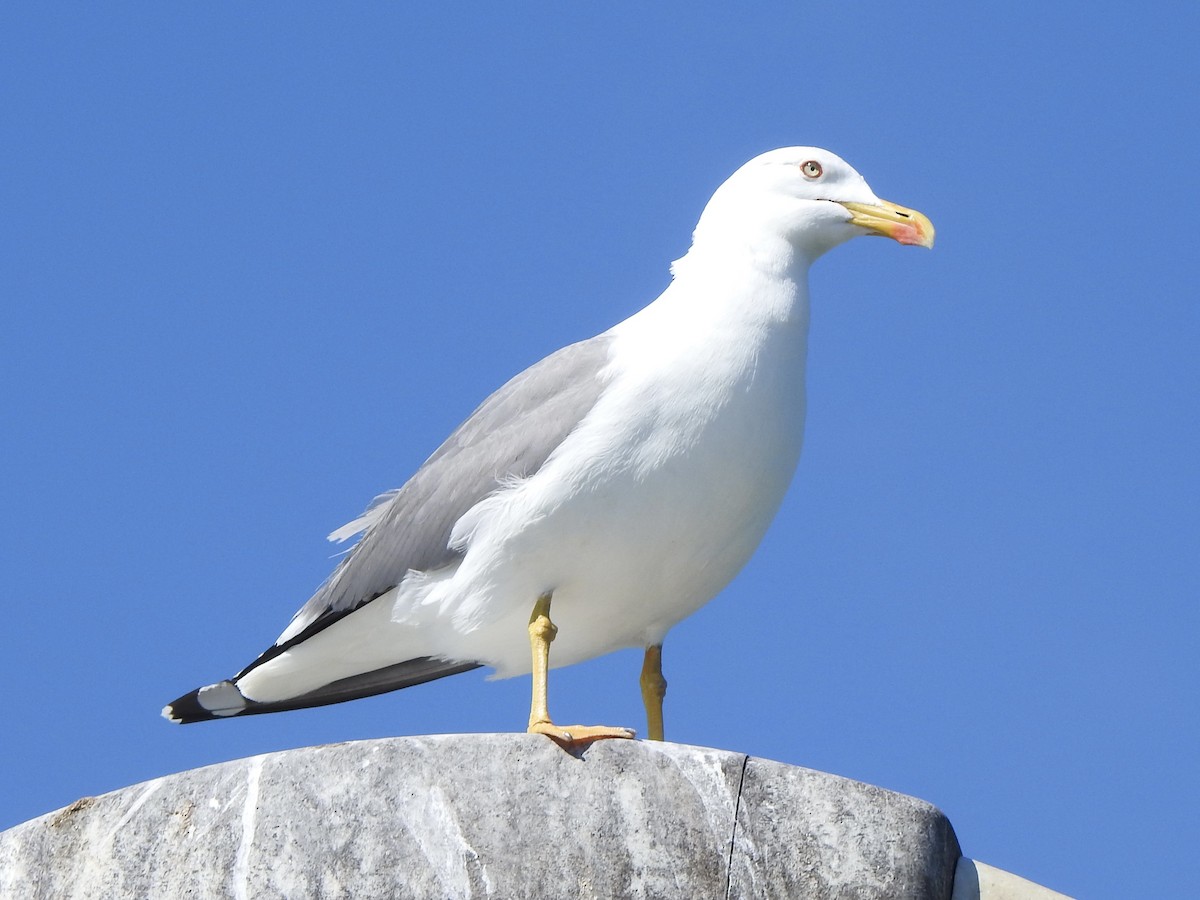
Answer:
(654, 502)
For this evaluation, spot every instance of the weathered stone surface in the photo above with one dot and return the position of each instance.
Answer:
(487, 816)
(802, 833)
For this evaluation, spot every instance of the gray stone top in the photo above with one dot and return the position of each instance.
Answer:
(490, 815)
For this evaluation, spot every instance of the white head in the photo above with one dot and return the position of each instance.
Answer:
(799, 202)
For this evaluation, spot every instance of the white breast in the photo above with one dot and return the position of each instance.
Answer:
(654, 503)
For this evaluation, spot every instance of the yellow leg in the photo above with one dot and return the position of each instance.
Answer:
(541, 633)
(654, 688)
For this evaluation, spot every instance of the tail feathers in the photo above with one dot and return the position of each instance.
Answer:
(223, 700)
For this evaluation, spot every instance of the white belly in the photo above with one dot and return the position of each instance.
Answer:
(642, 515)
(648, 511)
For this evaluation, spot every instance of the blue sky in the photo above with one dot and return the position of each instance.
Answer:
(259, 260)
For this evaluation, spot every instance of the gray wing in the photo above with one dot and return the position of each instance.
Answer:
(510, 435)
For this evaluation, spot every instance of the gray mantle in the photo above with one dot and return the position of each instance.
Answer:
(453, 816)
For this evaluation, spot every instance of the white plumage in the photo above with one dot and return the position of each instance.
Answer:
(630, 477)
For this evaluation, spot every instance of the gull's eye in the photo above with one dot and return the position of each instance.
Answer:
(811, 169)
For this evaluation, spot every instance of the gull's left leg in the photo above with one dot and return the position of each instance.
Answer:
(541, 632)
(654, 688)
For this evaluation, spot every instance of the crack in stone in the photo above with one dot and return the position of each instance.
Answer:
(737, 805)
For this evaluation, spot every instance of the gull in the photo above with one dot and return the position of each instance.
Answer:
(622, 481)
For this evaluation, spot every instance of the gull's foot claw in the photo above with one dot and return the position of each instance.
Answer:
(580, 734)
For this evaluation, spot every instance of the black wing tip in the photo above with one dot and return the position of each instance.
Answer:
(215, 701)
(186, 709)
(223, 700)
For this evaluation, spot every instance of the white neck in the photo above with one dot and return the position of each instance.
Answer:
(753, 282)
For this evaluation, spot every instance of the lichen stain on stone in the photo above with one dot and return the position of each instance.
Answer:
(78, 806)
(184, 817)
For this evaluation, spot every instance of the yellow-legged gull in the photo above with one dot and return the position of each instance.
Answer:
(623, 480)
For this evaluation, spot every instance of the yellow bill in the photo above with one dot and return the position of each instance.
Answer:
(897, 222)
